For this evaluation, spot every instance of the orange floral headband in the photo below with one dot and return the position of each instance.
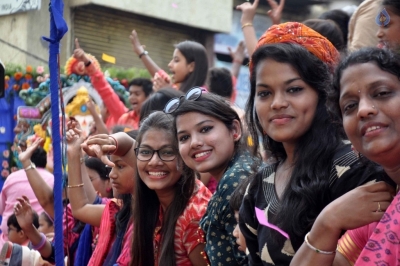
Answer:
(295, 32)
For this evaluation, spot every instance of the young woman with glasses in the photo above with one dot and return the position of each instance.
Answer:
(208, 132)
(169, 201)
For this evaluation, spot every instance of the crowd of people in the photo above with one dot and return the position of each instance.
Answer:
(307, 174)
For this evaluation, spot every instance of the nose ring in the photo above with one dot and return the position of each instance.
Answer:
(373, 107)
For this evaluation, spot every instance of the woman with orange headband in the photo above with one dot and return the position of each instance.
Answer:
(289, 75)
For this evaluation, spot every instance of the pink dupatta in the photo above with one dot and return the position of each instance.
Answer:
(383, 247)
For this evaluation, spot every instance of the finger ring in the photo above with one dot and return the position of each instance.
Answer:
(379, 208)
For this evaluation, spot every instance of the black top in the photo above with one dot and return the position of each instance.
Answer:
(267, 246)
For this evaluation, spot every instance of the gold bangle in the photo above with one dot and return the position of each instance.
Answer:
(74, 186)
(246, 25)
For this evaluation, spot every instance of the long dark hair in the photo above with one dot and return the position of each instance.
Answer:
(386, 60)
(194, 52)
(146, 204)
(305, 195)
(157, 101)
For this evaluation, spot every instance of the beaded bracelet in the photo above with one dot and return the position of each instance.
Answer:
(316, 249)
(41, 244)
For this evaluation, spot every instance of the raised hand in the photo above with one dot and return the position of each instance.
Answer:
(275, 13)
(100, 146)
(79, 54)
(74, 136)
(26, 155)
(137, 47)
(160, 81)
(23, 212)
(238, 54)
(248, 11)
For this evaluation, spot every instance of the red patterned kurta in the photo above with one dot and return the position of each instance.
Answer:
(187, 232)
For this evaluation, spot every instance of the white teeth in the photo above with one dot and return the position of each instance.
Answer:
(157, 173)
(372, 128)
(201, 154)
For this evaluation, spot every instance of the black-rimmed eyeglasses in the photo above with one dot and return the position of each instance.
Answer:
(145, 154)
(193, 94)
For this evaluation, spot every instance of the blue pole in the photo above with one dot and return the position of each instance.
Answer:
(58, 28)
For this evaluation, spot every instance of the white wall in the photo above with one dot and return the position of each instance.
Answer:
(212, 15)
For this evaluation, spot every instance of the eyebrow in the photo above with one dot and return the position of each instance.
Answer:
(287, 82)
(162, 147)
(198, 124)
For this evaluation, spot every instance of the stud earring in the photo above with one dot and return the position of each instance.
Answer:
(373, 107)
(359, 91)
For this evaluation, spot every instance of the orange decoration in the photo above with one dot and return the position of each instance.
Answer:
(28, 76)
(29, 69)
(7, 78)
(295, 32)
(6, 85)
(15, 87)
(18, 76)
(26, 86)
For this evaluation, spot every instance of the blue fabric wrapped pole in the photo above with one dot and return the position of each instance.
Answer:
(58, 27)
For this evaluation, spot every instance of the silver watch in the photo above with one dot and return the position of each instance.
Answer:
(31, 166)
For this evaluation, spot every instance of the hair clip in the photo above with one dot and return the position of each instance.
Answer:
(383, 18)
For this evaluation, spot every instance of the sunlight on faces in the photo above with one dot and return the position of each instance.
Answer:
(205, 143)
(157, 174)
(369, 102)
(179, 67)
(121, 176)
(284, 103)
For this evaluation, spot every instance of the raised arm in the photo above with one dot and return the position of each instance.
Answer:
(110, 98)
(78, 181)
(100, 126)
(248, 13)
(368, 204)
(237, 56)
(43, 192)
(275, 14)
(23, 212)
(139, 50)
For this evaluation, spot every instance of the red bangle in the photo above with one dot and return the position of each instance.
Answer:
(116, 144)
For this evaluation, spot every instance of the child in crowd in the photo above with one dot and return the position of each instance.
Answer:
(46, 225)
(235, 202)
(16, 234)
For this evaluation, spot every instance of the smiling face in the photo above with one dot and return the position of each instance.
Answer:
(121, 176)
(369, 102)
(389, 36)
(284, 103)
(157, 174)
(136, 97)
(205, 143)
(179, 67)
